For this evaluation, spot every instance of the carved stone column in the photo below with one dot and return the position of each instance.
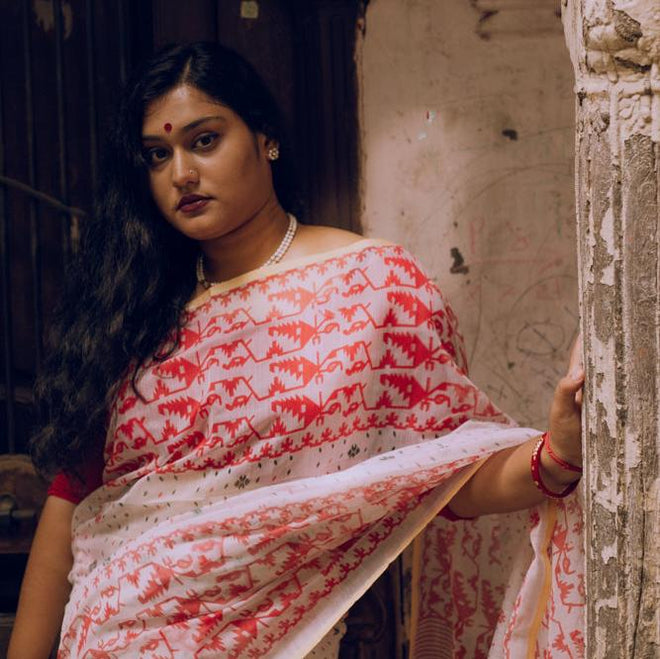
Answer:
(615, 49)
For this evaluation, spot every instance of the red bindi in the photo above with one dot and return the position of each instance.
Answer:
(168, 128)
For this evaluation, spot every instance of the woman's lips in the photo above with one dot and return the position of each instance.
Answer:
(193, 205)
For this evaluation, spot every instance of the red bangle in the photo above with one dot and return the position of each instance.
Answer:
(536, 475)
(562, 463)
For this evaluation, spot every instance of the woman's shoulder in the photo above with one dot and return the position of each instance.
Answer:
(313, 239)
(391, 260)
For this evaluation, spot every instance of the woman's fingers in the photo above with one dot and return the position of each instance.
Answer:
(576, 362)
(565, 420)
(576, 368)
(566, 392)
(566, 410)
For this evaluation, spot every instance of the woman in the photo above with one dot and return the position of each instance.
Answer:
(264, 414)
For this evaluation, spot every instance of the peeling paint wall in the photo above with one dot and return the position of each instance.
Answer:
(467, 120)
(615, 49)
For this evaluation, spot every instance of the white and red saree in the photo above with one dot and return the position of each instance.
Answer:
(312, 423)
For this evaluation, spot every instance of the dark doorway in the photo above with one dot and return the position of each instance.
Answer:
(62, 63)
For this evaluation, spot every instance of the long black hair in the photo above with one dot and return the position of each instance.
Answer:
(126, 290)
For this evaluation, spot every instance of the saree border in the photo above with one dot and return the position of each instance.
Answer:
(262, 272)
(550, 520)
(417, 553)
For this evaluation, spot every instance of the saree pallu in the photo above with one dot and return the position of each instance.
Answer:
(313, 421)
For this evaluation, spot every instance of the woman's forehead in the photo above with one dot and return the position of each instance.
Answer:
(180, 106)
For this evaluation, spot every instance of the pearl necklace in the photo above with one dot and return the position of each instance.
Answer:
(276, 257)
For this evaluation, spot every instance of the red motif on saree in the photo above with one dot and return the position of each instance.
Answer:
(313, 420)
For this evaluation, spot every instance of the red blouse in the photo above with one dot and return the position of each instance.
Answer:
(67, 486)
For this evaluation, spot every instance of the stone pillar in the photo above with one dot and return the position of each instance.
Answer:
(615, 49)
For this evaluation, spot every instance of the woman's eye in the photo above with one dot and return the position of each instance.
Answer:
(204, 141)
(155, 156)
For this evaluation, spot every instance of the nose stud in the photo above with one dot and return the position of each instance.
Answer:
(193, 174)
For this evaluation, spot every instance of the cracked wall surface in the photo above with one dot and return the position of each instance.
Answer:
(467, 126)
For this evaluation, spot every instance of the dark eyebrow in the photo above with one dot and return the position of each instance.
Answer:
(191, 126)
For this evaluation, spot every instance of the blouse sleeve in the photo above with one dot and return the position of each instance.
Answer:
(68, 487)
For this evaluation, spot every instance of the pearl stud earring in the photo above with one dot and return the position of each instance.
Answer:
(273, 153)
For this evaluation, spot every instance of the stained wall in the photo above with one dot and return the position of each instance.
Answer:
(467, 137)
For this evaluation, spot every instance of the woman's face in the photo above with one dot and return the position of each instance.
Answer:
(208, 171)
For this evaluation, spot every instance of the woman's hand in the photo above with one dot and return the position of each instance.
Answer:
(504, 482)
(565, 420)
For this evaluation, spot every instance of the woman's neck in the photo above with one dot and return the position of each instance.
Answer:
(247, 247)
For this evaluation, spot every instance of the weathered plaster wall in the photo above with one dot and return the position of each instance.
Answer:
(615, 48)
(468, 146)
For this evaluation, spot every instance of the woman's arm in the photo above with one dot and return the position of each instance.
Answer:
(45, 589)
(504, 482)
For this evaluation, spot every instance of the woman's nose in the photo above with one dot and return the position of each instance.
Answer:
(184, 174)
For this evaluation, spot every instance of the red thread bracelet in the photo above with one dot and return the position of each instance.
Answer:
(535, 464)
(562, 463)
